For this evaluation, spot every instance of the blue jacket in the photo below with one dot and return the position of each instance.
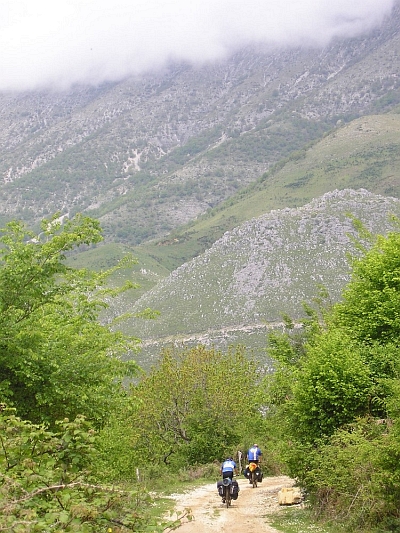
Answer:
(254, 454)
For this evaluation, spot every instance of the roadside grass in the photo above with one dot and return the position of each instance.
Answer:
(152, 495)
(300, 520)
(183, 479)
(295, 519)
(163, 487)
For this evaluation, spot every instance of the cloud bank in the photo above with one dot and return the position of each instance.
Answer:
(47, 43)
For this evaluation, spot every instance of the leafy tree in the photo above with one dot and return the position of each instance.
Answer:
(196, 405)
(371, 300)
(332, 388)
(56, 359)
(349, 357)
(354, 477)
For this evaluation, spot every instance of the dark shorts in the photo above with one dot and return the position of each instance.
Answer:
(227, 474)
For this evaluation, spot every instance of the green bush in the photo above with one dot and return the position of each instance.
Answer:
(46, 483)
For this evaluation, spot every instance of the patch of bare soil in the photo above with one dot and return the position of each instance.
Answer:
(247, 513)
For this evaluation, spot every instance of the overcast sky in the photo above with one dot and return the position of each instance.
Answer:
(54, 43)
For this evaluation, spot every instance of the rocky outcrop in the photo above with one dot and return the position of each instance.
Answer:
(262, 269)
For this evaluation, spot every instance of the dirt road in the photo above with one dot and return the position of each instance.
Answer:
(247, 513)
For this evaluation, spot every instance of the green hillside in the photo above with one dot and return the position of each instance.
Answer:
(362, 154)
(145, 273)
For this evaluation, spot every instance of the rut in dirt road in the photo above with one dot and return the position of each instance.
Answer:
(247, 513)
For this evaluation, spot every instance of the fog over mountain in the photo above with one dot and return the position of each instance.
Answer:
(57, 44)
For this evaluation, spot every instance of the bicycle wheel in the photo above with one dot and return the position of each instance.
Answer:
(227, 496)
(254, 479)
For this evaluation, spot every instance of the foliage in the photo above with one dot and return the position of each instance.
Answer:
(46, 483)
(56, 359)
(196, 406)
(116, 460)
(338, 412)
(58, 362)
(371, 300)
(362, 461)
(332, 387)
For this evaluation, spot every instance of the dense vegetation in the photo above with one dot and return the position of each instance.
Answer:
(54, 354)
(61, 378)
(74, 433)
(82, 432)
(336, 397)
(196, 406)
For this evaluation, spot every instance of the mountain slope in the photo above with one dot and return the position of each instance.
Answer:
(148, 154)
(362, 154)
(265, 267)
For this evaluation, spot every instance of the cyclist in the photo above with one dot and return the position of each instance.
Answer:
(228, 468)
(254, 454)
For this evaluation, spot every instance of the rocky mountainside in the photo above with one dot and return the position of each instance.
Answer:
(365, 153)
(148, 154)
(265, 267)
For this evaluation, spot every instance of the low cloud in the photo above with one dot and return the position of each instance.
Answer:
(55, 44)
